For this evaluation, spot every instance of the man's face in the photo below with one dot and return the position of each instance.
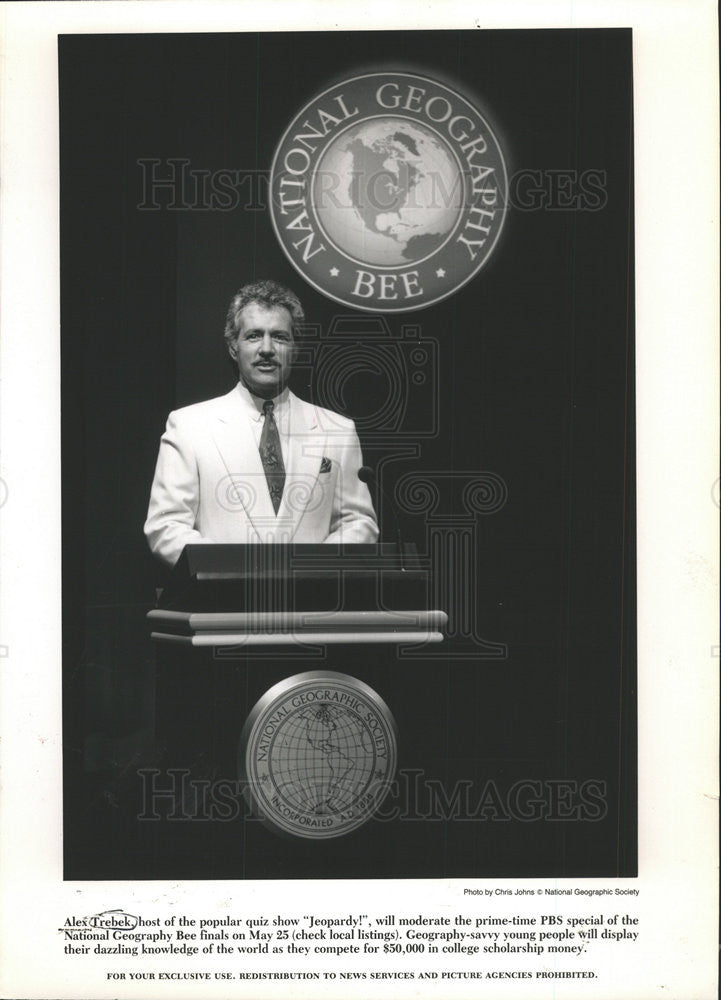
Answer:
(264, 349)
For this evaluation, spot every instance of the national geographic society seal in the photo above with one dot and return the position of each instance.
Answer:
(388, 191)
(317, 754)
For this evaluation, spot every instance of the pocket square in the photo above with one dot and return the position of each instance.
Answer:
(325, 465)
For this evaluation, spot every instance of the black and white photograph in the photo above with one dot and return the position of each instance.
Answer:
(359, 499)
(348, 376)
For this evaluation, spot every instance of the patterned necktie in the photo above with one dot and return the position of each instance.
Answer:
(271, 456)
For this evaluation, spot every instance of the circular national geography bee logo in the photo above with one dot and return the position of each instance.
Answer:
(388, 191)
(317, 754)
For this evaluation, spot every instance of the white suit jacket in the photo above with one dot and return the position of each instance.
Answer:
(210, 485)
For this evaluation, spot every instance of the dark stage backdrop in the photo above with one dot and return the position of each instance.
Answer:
(529, 377)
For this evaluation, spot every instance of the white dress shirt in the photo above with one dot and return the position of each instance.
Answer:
(253, 405)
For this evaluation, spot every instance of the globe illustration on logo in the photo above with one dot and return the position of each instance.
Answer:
(323, 760)
(318, 753)
(388, 192)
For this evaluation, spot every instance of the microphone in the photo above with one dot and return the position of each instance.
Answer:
(367, 475)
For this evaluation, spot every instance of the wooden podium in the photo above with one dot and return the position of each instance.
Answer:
(236, 619)
(285, 595)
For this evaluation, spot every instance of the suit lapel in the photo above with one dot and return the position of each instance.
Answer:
(305, 451)
(234, 439)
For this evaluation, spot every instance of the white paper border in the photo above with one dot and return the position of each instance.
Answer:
(676, 144)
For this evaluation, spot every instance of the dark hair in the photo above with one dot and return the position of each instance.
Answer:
(267, 293)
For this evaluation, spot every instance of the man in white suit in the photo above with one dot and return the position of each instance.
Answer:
(258, 464)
